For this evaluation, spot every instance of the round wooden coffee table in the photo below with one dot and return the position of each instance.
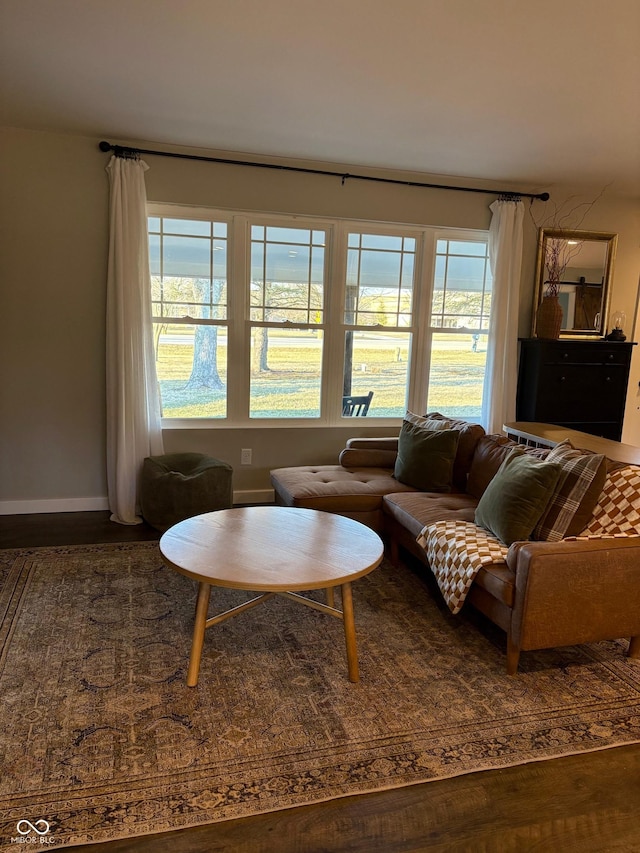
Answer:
(273, 550)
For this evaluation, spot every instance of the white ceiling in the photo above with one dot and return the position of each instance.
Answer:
(528, 92)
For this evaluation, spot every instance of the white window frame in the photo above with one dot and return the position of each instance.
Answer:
(333, 326)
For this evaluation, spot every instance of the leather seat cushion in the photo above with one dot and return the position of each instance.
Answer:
(416, 509)
(499, 581)
(333, 488)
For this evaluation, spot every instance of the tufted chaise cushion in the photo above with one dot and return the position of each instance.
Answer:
(355, 493)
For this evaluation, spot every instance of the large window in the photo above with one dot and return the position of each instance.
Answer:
(460, 310)
(189, 304)
(272, 319)
(287, 297)
(378, 318)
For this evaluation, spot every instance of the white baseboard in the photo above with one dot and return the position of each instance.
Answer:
(248, 496)
(253, 496)
(53, 505)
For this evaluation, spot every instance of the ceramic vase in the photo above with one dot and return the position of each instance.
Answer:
(549, 318)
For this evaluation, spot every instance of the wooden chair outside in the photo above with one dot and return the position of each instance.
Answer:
(356, 406)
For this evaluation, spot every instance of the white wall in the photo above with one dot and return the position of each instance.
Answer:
(54, 224)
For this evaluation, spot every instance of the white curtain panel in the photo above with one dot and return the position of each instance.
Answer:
(505, 257)
(133, 399)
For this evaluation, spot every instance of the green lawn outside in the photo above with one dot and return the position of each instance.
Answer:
(292, 383)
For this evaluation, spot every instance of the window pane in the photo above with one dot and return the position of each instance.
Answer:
(407, 272)
(456, 376)
(457, 247)
(379, 281)
(191, 362)
(380, 241)
(378, 362)
(154, 223)
(462, 285)
(187, 256)
(378, 269)
(189, 274)
(195, 227)
(287, 265)
(154, 254)
(465, 273)
(287, 277)
(288, 235)
(189, 297)
(285, 373)
(220, 259)
(317, 265)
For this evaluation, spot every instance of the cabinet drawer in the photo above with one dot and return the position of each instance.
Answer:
(574, 382)
(568, 393)
(585, 354)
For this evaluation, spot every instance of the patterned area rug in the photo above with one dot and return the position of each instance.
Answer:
(101, 738)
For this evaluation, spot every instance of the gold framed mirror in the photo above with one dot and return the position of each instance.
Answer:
(580, 265)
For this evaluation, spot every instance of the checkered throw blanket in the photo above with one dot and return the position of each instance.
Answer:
(456, 551)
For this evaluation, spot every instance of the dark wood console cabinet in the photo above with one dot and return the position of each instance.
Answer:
(577, 384)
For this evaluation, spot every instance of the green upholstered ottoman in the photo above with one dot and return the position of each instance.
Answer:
(176, 486)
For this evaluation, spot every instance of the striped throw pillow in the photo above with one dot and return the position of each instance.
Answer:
(576, 494)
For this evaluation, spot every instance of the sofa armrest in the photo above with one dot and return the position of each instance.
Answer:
(384, 443)
(575, 591)
(370, 453)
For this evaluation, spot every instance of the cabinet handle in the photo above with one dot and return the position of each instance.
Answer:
(607, 379)
(610, 356)
(563, 378)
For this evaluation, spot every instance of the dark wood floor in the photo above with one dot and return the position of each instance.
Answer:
(583, 803)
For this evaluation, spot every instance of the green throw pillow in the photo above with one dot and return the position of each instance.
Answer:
(431, 424)
(425, 457)
(515, 499)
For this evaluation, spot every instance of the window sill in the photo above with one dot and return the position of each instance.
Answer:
(216, 424)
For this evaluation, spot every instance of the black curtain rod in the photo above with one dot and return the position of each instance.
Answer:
(123, 151)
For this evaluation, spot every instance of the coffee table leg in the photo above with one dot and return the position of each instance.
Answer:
(331, 601)
(350, 632)
(202, 608)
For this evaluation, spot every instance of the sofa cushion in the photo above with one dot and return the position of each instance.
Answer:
(333, 488)
(490, 453)
(618, 509)
(470, 434)
(413, 510)
(433, 424)
(576, 493)
(515, 499)
(498, 581)
(425, 457)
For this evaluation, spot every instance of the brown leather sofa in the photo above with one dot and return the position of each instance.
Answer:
(545, 594)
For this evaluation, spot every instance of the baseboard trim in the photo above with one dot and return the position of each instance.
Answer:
(253, 496)
(247, 496)
(53, 505)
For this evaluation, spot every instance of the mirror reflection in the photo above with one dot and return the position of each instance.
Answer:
(580, 264)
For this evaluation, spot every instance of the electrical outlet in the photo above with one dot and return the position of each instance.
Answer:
(245, 456)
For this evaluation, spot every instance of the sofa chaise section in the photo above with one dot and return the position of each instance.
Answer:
(543, 594)
(353, 488)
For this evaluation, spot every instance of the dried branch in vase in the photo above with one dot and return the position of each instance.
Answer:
(559, 252)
